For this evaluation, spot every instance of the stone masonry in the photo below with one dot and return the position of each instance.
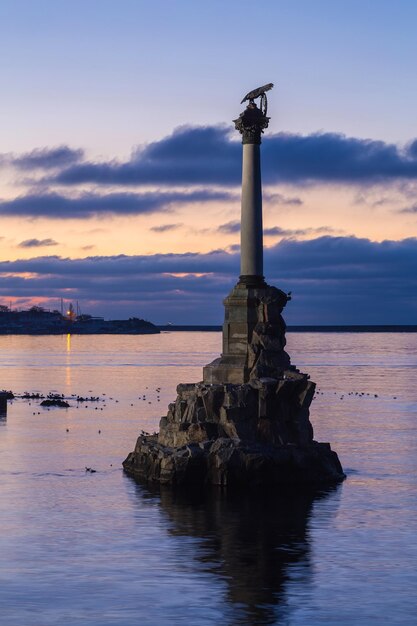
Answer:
(253, 336)
(247, 423)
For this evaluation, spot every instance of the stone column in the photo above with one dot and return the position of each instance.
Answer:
(251, 244)
(253, 329)
(251, 124)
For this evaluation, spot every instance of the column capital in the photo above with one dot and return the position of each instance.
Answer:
(251, 124)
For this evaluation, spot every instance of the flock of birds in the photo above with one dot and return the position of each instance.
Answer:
(359, 394)
(58, 397)
(146, 397)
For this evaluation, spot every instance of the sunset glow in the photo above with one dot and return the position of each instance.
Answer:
(96, 171)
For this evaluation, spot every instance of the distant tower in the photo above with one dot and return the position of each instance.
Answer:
(71, 315)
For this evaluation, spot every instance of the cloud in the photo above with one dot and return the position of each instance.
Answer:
(190, 156)
(333, 157)
(412, 149)
(234, 227)
(409, 209)
(334, 280)
(229, 228)
(381, 202)
(37, 243)
(86, 205)
(212, 155)
(163, 228)
(279, 198)
(96, 231)
(47, 158)
(294, 232)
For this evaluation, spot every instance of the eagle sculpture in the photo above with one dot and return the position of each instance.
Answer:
(259, 92)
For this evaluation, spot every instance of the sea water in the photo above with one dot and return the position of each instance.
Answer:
(93, 548)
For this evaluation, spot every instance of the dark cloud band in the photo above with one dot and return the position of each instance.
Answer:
(57, 206)
(334, 280)
(212, 155)
(44, 158)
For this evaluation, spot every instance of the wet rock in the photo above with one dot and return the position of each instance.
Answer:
(231, 462)
(249, 434)
(7, 395)
(55, 402)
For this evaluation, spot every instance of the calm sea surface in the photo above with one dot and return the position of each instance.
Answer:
(96, 549)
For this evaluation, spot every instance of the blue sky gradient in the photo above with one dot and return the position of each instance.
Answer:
(88, 73)
(118, 154)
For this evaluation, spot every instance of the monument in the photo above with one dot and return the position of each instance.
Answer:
(247, 422)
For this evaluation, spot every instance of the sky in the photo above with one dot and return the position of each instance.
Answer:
(120, 167)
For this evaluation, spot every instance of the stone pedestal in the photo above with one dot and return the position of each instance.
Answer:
(253, 336)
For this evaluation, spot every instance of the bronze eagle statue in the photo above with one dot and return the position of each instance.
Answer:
(255, 93)
(259, 92)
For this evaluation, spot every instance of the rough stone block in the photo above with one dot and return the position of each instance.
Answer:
(253, 433)
(254, 330)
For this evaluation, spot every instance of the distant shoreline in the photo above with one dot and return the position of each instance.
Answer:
(386, 328)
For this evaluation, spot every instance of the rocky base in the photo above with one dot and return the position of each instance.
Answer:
(229, 462)
(257, 433)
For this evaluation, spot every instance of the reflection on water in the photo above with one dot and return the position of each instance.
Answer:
(83, 549)
(68, 363)
(255, 543)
